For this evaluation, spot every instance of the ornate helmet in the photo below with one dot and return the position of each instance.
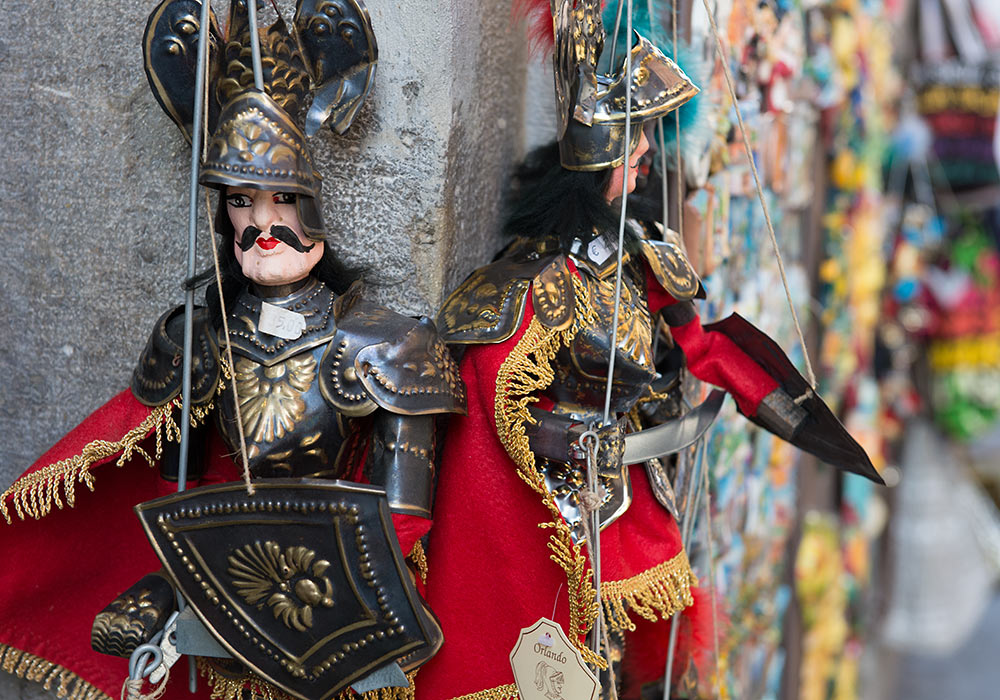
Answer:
(257, 139)
(591, 107)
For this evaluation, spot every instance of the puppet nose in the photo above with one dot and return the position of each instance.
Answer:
(265, 214)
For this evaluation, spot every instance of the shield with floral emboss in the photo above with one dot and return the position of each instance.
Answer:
(303, 581)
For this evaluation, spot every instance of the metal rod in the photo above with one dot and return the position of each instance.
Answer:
(671, 652)
(258, 72)
(686, 527)
(196, 136)
(664, 185)
(595, 545)
(614, 37)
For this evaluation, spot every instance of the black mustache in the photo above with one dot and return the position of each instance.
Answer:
(282, 233)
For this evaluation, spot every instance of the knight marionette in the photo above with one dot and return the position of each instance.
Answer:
(302, 584)
(537, 329)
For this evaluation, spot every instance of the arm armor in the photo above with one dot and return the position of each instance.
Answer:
(794, 411)
(156, 380)
(402, 461)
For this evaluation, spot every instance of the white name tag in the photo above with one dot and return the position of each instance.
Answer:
(547, 666)
(599, 250)
(280, 322)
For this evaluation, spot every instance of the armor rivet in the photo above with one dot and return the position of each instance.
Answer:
(350, 374)
(380, 634)
(363, 642)
(190, 568)
(400, 629)
(391, 632)
(346, 647)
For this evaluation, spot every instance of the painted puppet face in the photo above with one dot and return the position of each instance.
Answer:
(269, 244)
(615, 186)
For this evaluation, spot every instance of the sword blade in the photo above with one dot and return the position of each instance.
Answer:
(675, 435)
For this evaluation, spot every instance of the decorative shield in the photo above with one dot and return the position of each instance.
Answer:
(303, 582)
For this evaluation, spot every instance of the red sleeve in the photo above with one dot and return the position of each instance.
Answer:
(713, 357)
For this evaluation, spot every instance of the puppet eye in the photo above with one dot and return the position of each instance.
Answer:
(239, 201)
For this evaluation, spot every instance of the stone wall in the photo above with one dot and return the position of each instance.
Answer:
(94, 190)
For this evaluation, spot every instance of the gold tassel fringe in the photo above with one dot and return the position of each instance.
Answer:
(526, 370)
(655, 593)
(419, 558)
(250, 686)
(34, 494)
(63, 682)
(503, 692)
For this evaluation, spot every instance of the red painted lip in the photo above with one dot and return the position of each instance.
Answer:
(267, 243)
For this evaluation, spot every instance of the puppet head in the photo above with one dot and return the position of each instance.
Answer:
(257, 137)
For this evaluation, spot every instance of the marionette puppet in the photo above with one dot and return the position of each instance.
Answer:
(539, 335)
(306, 586)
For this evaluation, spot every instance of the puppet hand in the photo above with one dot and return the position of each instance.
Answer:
(134, 616)
(609, 441)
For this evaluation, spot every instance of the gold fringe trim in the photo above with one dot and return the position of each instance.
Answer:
(250, 686)
(53, 677)
(34, 494)
(655, 593)
(526, 370)
(503, 692)
(419, 558)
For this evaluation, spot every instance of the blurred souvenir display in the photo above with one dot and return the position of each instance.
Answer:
(938, 353)
(811, 78)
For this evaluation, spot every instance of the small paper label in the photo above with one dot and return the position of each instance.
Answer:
(280, 322)
(599, 250)
(547, 666)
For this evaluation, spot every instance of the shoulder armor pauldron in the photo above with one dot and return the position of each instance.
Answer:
(672, 268)
(157, 378)
(381, 359)
(489, 305)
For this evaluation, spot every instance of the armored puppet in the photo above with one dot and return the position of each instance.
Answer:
(535, 327)
(306, 586)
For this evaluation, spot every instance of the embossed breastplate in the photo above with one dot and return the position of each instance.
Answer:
(289, 427)
(581, 369)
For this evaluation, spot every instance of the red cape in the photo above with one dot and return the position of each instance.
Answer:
(70, 551)
(490, 570)
(65, 567)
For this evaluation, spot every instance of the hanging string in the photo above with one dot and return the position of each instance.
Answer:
(711, 581)
(724, 58)
(662, 137)
(685, 527)
(677, 134)
(229, 353)
(132, 688)
(590, 505)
